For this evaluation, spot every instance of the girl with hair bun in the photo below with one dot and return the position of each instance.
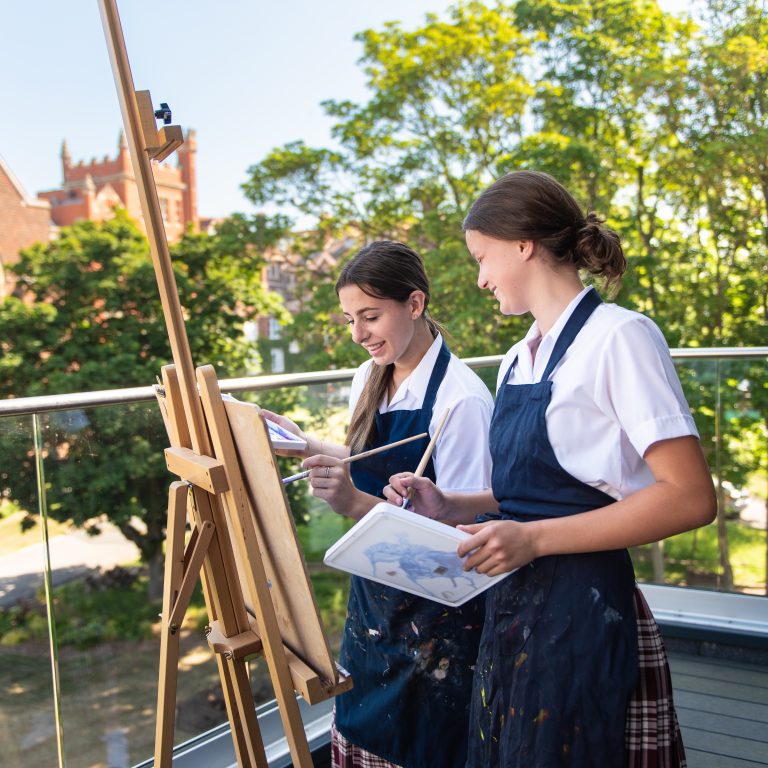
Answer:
(411, 659)
(594, 451)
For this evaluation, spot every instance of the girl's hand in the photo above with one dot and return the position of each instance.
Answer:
(330, 481)
(497, 547)
(426, 498)
(289, 426)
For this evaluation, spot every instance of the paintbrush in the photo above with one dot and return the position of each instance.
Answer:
(425, 458)
(363, 455)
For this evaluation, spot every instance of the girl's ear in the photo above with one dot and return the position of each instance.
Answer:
(416, 303)
(526, 248)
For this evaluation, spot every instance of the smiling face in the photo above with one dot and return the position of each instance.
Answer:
(502, 269)
(385, 327)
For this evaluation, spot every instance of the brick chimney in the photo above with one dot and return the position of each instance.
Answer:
(66, 159)
(187, 153)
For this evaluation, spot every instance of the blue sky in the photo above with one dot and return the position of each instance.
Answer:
(248, 75)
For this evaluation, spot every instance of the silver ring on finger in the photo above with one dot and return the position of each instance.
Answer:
(327, 472)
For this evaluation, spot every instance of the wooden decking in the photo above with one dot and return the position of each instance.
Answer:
(722, 706)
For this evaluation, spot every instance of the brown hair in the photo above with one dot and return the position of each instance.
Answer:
(385, 270)
(531, 205)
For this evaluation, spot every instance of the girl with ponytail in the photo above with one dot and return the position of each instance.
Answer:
(594, 451)
(411, 659)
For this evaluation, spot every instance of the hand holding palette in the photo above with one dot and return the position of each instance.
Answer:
(404, 550)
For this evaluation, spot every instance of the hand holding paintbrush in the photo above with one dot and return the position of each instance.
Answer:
(363, 455)
(427, 454)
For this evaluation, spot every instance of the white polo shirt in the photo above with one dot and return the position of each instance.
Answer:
(615, 392)
(461, 456)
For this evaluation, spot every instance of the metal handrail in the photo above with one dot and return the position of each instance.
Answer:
(20, 406)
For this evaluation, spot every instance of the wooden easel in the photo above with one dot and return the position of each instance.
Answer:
(255, 581)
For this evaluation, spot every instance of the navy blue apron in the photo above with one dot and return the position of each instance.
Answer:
(558, 656)
(411, 659)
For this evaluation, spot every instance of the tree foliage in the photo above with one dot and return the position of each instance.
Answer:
(657, 121)
(91, 320)
(447, 100)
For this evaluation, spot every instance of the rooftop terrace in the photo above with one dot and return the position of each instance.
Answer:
(94, 705)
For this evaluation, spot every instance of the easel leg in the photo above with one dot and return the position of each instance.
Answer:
(233, 673)
(169, 637)
(246, 736)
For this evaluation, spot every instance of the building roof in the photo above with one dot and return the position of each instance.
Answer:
(22, 193)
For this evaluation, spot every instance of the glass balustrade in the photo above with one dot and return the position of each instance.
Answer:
(79, 603)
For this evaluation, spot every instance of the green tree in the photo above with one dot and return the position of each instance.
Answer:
(726, 194)
(96, 323)
(655, 120)
(447, 101)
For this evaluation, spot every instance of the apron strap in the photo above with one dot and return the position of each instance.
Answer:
(509, 370)
(588, 304)
(586, 307)
(436, 379)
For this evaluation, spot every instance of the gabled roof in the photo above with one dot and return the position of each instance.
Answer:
(16, 184)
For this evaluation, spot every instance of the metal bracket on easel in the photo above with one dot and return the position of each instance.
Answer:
(158, 144)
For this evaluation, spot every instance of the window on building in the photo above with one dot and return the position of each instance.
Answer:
(251, 330)
(277, 356)
(164, 208)
(275, 329)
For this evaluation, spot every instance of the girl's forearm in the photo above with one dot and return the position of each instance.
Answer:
(356, 506)
(316, 446)
(682, 498)
(646, 516)
(462, 508)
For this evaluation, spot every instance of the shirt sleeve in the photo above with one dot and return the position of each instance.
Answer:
(639, 387)
(462, 457)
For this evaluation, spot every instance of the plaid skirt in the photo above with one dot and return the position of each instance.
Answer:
(652, 733)
(344, 754)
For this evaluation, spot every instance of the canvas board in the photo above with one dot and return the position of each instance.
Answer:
(279, 437)
(290, 587)
(401, 549)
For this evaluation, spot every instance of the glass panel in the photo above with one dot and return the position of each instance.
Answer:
(110, 459)
(727, 398)
(28, 723)
(98, 466)
(105, 602)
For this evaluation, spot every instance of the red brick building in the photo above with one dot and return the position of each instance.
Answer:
(23, 221)
(91, 190)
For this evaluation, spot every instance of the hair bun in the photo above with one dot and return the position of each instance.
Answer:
(591, 229)
(592, 220)
(598, 250)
